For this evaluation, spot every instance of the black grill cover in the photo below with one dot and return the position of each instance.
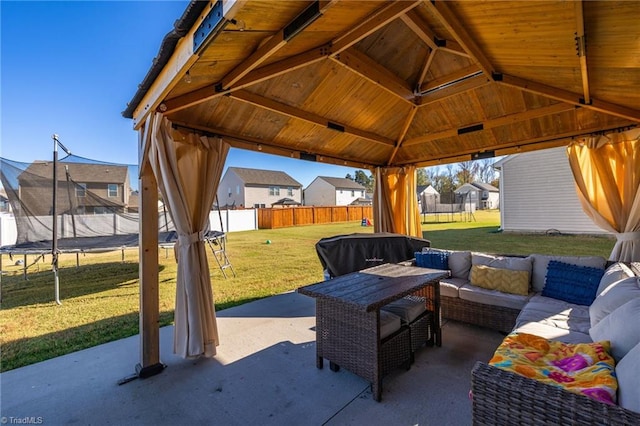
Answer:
(343, 254)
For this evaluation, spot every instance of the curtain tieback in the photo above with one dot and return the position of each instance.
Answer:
(185, 240)
(628, 236)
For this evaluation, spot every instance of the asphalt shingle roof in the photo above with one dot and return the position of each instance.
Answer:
(264, 177)
(342, 183)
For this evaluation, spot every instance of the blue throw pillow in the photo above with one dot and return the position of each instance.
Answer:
(572, 283)
(432, 259)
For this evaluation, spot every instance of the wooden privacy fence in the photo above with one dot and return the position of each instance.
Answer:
(292, 216)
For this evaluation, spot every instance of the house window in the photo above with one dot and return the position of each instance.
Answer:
(81, 190)
(238, 189)
(362, 193)
(290, 192)
(353, 193)
(274, 190)
(112, 190)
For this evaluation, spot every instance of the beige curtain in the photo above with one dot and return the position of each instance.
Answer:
(607, 173)
(188, 171)
(395, 201)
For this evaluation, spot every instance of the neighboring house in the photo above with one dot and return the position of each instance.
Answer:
(242, 187)
(88, 188)
(538, 194)
(483, 195)
(332, 191)
(5, 206)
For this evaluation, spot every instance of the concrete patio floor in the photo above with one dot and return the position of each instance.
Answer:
(264, 374)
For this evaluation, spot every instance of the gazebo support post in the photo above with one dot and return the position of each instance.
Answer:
(150, 364)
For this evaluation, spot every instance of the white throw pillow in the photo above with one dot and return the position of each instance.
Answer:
(627, 372)
(614, 296)
(615, 272)
(621, 327)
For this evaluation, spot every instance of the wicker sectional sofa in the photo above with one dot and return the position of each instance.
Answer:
(503, 397)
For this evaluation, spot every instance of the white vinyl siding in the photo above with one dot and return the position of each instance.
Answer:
(538, 194)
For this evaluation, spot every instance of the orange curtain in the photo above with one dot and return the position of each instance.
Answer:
(607, 173)
(188, 171)
(395, 201)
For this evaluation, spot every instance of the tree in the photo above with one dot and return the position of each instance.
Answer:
(486, 171)
(467, 171)
(362, 178)
(421, 177)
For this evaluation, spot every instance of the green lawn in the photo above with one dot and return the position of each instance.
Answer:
(101, 297)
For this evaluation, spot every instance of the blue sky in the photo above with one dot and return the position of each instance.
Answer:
(71, 67)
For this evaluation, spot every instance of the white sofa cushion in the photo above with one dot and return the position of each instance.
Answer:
(492, 297)
(555, 313)
(541, 261)
(614, 296)
(449, 286)
(621, 327)
(459, 262)
(613, 273)
(627, 372)
(553, 333)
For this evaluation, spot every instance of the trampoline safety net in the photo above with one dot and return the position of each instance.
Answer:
(96, 207)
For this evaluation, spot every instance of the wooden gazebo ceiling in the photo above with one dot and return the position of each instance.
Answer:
(409, 82)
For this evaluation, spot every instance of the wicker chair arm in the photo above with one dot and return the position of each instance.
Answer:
(504, 398)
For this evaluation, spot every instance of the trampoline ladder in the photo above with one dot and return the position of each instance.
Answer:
(217, 245)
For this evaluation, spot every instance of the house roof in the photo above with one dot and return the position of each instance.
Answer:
(366, 84)
(485, 186)
(264, 177)
(79, 172)
(342, 183)
(422, 188)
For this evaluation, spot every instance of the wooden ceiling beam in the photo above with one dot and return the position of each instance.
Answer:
(453, 89)
(366, 67)
(377, 20)
(450, 78)
(496, 122)
(569, 97)
(523, 145)
(297, 113)
(425, 68)
(373, 23)
(443, 12)
(403, 133)
(267, 72)
(582, 51)
(273, 147)
(413, 20)
(276, 42)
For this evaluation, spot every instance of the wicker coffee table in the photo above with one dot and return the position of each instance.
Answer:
(348, 318)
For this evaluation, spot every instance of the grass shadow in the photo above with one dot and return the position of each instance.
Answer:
(25, 351)
(74, 282)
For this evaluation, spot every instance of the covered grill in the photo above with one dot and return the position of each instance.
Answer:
(342, 254)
